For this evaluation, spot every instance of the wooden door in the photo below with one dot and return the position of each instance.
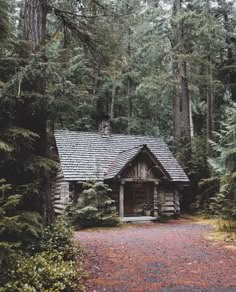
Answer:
(129, 200)
(136, 195)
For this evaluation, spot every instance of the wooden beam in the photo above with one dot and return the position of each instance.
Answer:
(155, 201)
(140, 180)
(121, 198)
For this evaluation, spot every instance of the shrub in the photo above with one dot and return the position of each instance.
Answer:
(57, 237)
(52, 263)
(18, 226)
(94, 208)
(46, 271)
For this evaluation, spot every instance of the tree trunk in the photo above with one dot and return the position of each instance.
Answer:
(229, 75)
(129, 104)
(113, 96)
(176, 107)
(186, 134)
(35, 15)
(210, 103)
(129, 80)
(181, 103)
(210, 90)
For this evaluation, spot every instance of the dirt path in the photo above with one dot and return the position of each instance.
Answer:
(173, 256)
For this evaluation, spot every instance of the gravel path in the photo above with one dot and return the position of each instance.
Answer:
(173, 256)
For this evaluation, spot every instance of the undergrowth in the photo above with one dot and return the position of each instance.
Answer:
(53, 263)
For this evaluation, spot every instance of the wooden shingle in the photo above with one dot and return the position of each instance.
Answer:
(90, 156)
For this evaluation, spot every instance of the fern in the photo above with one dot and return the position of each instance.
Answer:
(4, 147)
(224, 165)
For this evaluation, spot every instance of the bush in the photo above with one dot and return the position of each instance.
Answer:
(46, 271)
(57, 237)
(94, 208)
(19, 227)
(51, 264)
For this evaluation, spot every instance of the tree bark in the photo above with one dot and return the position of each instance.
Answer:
(129, 104)
(210, 103)
(129, 80)
(176, 106)
(182, 99)
(113, 96)
(35, 15)
(186, 133)
(210, 89)
(229, 75)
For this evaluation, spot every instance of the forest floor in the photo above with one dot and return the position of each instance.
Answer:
(173, 256)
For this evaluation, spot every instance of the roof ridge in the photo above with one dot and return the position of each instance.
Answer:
(116, 157)
(139, 146)
(111, 134)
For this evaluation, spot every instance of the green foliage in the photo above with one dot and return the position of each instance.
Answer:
(46, 271)
(94, 207)
(51, 263)
(4, 20)
(224, 165)
(18, 226)
(57, 237)
(219, 196)
(206, 191)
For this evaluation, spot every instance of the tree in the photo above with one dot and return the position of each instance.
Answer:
(35, 15)
(182, 108)
(4, 20)
(94, 207)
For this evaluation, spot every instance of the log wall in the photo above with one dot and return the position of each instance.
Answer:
(115, 186)
(167, 197)
(60, 193)
(169, 200)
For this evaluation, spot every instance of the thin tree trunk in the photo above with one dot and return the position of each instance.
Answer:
(191, 120)
(113, 96)
(210, 90)
(210, 103)
(129, 80)
(185, 101)
(129, 104)
(176, 107)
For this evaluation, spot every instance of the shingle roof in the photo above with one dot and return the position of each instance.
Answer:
(87, 156)
(121, 160)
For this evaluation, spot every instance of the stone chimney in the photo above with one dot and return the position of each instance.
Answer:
(104, 126)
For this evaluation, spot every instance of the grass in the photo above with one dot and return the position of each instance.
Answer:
(222, 229)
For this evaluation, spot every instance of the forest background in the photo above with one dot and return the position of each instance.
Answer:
(161, 68)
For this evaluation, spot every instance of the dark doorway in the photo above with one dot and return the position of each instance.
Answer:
(136, 196)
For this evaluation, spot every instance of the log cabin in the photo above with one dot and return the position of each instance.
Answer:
(144, 176)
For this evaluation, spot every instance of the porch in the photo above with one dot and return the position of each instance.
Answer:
(138, 219)
(138, 200)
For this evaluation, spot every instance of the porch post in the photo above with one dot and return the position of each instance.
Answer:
(155, 201)
(121, 209)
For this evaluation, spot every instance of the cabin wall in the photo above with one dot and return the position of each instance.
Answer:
(115, 186)
(169, 200)
(142, 169)
(168, 197)
(60, 193)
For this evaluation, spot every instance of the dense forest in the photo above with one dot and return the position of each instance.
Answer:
(160, 68)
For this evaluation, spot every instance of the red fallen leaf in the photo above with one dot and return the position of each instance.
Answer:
(151, 257)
